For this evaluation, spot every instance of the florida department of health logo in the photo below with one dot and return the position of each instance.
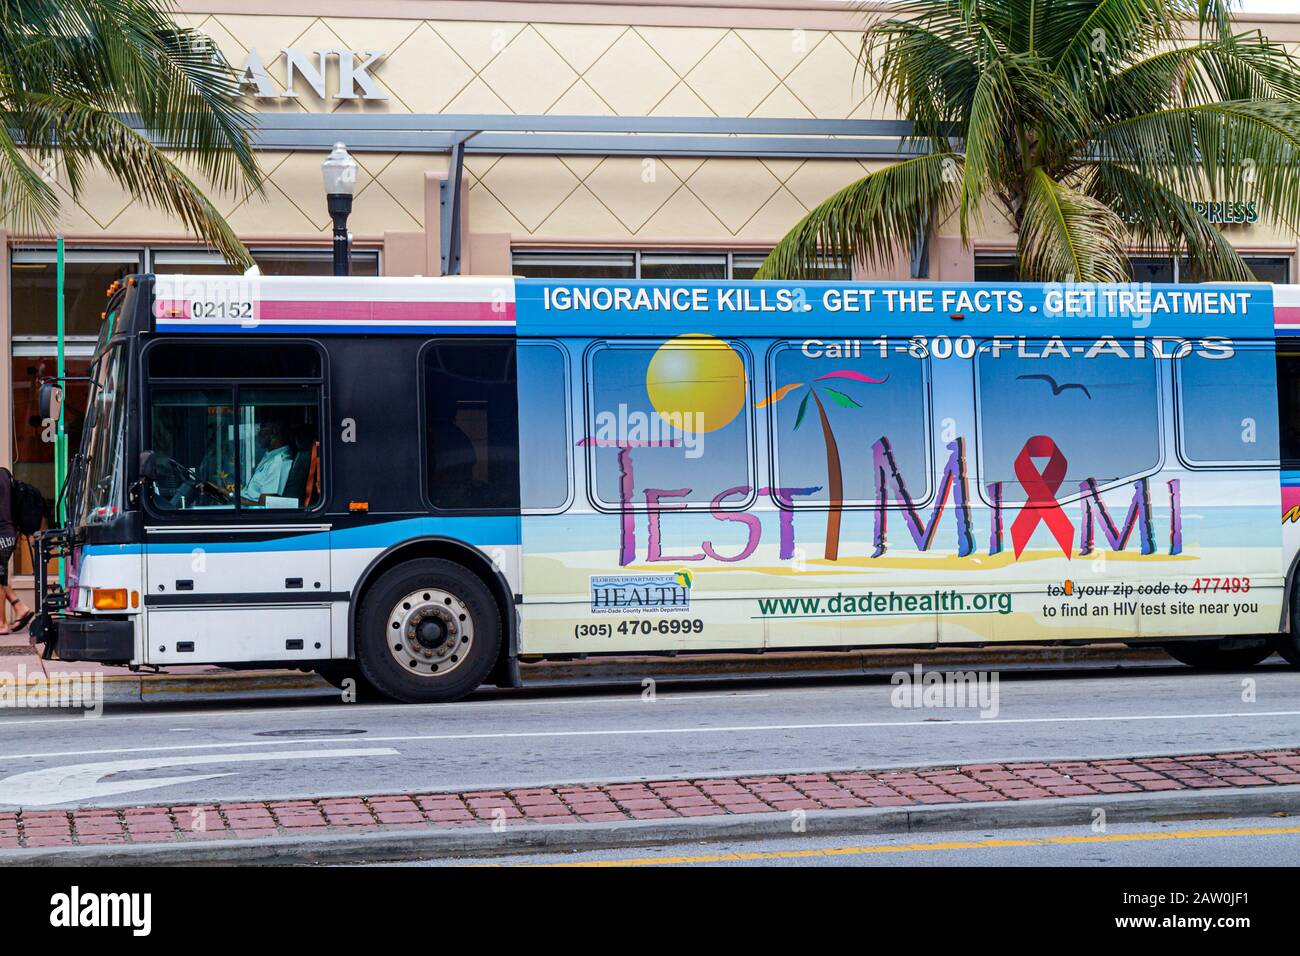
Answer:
(634, 593)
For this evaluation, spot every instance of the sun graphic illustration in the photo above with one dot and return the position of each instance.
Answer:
(698, 375)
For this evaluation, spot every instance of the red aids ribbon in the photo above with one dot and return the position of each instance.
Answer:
(1040, 490)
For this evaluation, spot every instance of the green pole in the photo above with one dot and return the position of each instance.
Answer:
(60, 439)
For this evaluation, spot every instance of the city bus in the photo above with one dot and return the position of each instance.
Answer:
(415, 484)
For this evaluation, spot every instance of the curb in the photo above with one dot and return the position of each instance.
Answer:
(412, 844)
(857, 663)
(237, 685)
(177, 688)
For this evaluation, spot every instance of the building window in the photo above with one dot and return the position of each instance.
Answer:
(684, 266)
(659, 265)
(33, 306)
(86, 277)
(1152, 269)
(270, 262)
(745, 264)
(996, 267)
(575, 265)
(1003, 267)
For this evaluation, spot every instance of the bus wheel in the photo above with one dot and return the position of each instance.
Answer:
(1214, 655)
(428, 631)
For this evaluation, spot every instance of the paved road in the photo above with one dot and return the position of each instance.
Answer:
(156, 753)
(1244, 842)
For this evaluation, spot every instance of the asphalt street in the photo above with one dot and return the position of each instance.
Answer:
(1242, 842)
(241, 751)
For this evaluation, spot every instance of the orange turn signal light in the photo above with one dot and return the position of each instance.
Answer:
(108, 599)
(358, 506)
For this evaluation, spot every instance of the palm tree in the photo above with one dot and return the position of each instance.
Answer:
(73, 74)
(1092, 125)
(834, 470)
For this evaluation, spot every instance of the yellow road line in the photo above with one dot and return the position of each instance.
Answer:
(942, 845)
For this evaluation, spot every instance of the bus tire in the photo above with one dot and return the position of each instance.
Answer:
(1287, 643)
(1214, 655)
(427, 631)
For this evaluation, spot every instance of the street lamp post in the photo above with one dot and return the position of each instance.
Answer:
(340, 173)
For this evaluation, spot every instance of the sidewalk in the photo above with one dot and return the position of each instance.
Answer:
(355, 827)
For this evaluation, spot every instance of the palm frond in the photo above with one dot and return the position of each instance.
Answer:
(88, 134)
(869, 220)
(1068, 236)
(1161, 221)
(105, 61)
(27, 197)
(1246, 149)
(1244, 67)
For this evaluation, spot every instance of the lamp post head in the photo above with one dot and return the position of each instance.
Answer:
(340, 172)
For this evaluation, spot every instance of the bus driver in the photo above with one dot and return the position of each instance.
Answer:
(272, 471)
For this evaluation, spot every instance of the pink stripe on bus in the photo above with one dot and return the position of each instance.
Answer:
(1286, 315)
(306, 311)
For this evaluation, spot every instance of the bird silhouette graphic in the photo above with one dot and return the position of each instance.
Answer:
(1058, 389)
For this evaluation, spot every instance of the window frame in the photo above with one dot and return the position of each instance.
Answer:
(423, 423)
(240, 513)
(191, 256)
(927, 424)
(981, 483)
(593, 348)
(570, 492)
(1180, 447)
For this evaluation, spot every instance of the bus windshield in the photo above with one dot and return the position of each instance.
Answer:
(98, 495)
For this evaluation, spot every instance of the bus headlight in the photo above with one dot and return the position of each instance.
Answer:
(108, 599)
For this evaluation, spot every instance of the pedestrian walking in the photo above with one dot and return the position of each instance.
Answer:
(8, 540)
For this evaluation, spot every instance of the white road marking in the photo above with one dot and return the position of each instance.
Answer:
(658, 731)
(53, 785)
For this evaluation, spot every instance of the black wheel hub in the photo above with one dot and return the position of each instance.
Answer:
(431, 633)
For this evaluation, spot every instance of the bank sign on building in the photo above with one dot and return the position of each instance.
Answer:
(672, 139)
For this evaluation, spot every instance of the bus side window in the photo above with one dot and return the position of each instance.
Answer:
(471, 425)
(1288, 408)
(1225, 407)
(235, 444)
(1100, 417)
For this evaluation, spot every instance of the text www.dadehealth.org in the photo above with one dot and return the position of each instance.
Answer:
(885, 604)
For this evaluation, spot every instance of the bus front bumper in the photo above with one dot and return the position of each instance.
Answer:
(79, 638)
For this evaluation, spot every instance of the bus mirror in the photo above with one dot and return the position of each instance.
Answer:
(148, 466)
(51, 401)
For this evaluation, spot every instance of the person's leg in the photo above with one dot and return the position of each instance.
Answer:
(12, 598)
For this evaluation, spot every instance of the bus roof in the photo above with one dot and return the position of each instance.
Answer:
(556, 307)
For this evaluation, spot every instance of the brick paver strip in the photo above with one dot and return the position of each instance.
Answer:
(655, 800)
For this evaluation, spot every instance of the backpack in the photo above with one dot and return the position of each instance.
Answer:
(26, 504)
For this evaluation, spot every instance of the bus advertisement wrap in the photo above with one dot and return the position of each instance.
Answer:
(840, 465)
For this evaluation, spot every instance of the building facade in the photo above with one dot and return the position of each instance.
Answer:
(664, 138)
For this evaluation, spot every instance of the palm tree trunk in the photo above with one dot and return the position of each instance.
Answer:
(834, 485)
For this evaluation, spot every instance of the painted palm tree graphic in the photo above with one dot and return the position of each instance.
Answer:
(834, 471)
